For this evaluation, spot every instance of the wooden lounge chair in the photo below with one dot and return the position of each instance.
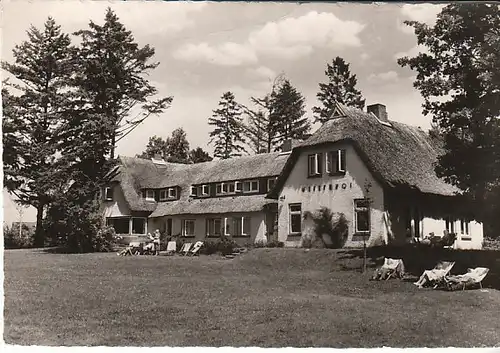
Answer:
(185, 249)
(435, 276)
(391, 268)
(471, 278)
(196, 248)
(171, 247)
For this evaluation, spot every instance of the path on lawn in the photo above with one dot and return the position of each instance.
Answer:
(267, 297)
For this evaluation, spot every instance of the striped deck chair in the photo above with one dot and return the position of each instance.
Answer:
(473, 277)
(196, 248)
(185, 249)
(171, 247)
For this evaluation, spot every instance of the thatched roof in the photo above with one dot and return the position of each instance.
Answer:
(252, 203)
(136, 174)
(399, 155)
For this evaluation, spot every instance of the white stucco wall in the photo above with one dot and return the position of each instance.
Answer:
(473, 240)
(257, 225)
(314, 193)
(118, 207)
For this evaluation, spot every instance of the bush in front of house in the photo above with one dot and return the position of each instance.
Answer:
(323, 228)
(225, 246)
(275, 244)
(13, 240)
(104, 240)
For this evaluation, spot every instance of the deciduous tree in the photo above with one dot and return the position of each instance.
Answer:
(198, 155)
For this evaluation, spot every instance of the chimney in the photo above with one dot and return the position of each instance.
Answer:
(379, 111)
(157, 159)
(286, 146)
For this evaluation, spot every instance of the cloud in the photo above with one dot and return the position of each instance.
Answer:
(226, 54)
(289, 38)
(364, 56)
(389, 76)
(425, 13)
(262, 72)
(412, 52)
(404, 28)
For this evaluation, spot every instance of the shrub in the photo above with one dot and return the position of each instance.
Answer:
(14, 240)
(259, 244)
(209, 247)
(104, 239)
(275, 244)
(324, 229)
(224, 246)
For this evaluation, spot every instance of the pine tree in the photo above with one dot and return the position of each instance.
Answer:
(287, 117)
(256, 130)
(177, 147)
(198, 155)
(112, 77)
(341, 88)
(227, 135)
(34, 110)
(156, 146)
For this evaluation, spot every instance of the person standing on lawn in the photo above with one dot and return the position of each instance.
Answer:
(156, 242)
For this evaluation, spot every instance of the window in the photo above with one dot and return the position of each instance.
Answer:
(205, 190)
(241, 226)
(225, 187)
(362, 216)
(464, 227)
(163, 195)
(168, 226)
(295, 218)
(251, 186)
(138, 225)
(188, 228)
(335, 162)
(270, 183)
(314, 165)
(108, 194)
(231, 188)
(172, 193)
(150, 195)
(120, 225)
(194, 191)
(218, 189)
(450, 225)
(214, 227)
(238, 186)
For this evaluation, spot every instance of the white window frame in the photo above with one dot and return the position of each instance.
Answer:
(238, 186)
(290, 214)
(131, 226)
(172, 193)
(361, 208)
(339, 161)
(107, 190)
(338, 168)
(203, 193)
(163, 195)
(231, 186)
(192, 192)
(464, 227)
(250, 184)
(314, 157)
(449, 224)
(213, 220)
(184, 227)
(148, 198)
(273, 180)
(243, 220)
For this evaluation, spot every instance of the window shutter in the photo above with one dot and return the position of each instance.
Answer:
(328, 166)
(342, 160)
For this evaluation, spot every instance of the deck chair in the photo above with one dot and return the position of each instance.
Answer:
(185, 249)
(435, 276)
(171, 247)
(196, 248)
(391, 268)
(136, 247)
(472, 277)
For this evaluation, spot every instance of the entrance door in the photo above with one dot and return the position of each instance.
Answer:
(168, 227)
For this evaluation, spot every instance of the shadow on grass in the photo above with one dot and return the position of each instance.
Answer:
(418, 259)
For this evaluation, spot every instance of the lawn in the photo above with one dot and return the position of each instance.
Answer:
(267, 298)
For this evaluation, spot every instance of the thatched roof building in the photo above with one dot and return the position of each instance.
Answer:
(398, 155)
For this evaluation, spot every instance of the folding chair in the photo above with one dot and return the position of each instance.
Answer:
(185, 249)
(171, 247)
(436, 275)
(196, 247)
(472, 277)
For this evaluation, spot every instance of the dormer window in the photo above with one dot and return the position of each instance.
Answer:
(238, 186)
(336, 162)
(231, 188)
(270, 183)
(108, 193)
(194, 191)
(150, 195)
(251, 186)
(218, 189)
(172, 193)
(205, 190)
(314, 167)
(163, 195)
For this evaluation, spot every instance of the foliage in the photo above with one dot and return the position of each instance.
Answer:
(256, 131)
(177, 147)
(33, 108)
(459, 81)
(156, 147)
(227, 135)
(275, 244)
(198, 155)
(225, 246)
(341, 88)
(288, 113)
(326, 223)
(13, 240)
(112, 77)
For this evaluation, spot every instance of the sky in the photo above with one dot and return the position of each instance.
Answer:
(206, 48)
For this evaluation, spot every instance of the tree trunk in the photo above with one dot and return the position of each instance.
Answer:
(39, 240)
(113, 141)
(364, 253)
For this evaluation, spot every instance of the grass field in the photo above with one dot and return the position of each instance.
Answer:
(267, 297)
